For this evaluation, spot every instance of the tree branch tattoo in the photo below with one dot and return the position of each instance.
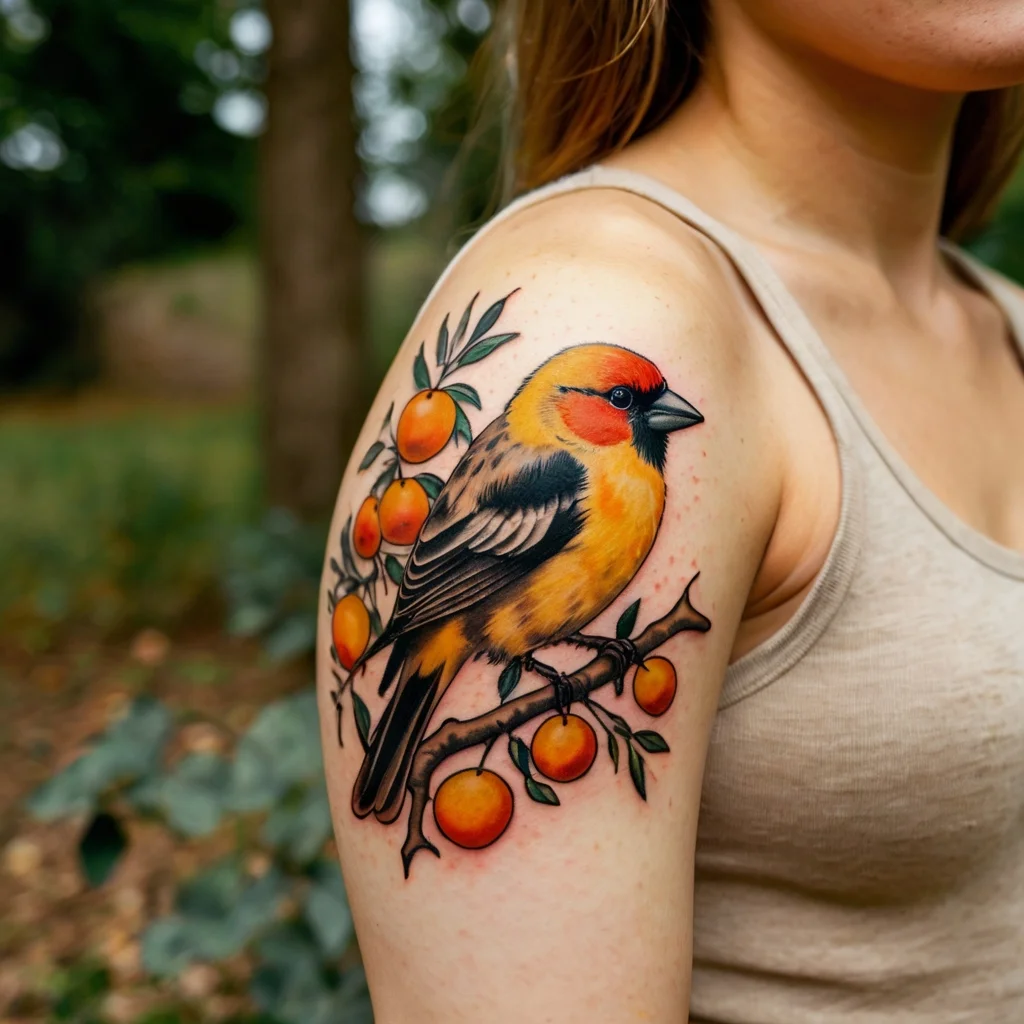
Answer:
(543, 523)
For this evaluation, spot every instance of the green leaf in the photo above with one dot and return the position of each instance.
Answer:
(636, 771)
(460, 331)
(288, 946)
(420, 374)
(326, 910)
(354, 999)
(383, 481)
(484, 347)
(169, 945)
(362, 717)
(258, 906)
(462, 427)
(298, 827)
(509, 678)
(346, 549)
(192, 795)
(613, 750)
(520, 754)
(371, 456)
(541, 792)
(290, 984)
(431, 484)
(130, 748)
(100, 848)
(251, 619)
(627, 620)
(212, 892)
(387, 417)
(465, 393)
(652, 742)
(394, 568)
(294, 636)
(278, 752)
(442, 342)
(375, 624)
(218, 914)
(77, 991)
(489, 319)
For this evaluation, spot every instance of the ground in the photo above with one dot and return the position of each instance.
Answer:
(52, 922)
(114, 530)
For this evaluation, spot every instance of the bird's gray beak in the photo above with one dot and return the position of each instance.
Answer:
(672, 412)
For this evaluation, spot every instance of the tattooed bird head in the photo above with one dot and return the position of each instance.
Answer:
(596, 396)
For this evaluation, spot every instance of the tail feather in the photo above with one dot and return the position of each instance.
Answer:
(396, 659)
(380, 785)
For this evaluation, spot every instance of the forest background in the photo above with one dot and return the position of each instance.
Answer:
(217, 220)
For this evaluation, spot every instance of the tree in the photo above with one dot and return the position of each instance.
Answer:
(107, 155)
(313, 392)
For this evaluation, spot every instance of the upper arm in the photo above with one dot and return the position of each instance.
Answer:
(580, 909)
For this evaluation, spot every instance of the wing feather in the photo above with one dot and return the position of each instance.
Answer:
(519, 536)
(488, 530)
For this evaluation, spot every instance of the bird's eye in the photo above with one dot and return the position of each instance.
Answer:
(621, 398)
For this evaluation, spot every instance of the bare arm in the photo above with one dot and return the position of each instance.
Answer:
(538, 562)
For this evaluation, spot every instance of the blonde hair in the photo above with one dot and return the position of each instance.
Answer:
(588, 76)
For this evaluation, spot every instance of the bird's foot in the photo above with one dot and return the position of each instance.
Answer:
(621, 650)
(559, 681)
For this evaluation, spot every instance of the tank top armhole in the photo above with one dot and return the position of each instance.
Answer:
(772, 658)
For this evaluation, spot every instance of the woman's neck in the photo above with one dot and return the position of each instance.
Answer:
(799, 151)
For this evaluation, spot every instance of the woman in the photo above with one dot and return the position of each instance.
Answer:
(734, 346)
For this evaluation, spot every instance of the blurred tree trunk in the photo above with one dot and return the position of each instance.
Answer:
(313, 359)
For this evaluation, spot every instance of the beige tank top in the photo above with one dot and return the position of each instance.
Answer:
(860, 849)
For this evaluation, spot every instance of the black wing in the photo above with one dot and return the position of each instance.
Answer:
(487, 530)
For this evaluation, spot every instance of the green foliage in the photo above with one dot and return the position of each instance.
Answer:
(191, 796)
(101, 847)
(509, 678)
(540, 792)
(627, 621)
(293, 916)
(127, 751)
(218, 915)
(272, 582)
(78, 992)
(293, 986)
(122, 518)
(142, 169)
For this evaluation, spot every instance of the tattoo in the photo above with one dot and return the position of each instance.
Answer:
(543, 523)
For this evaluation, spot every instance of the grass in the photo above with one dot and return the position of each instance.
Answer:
(117, 512)
(114, 513)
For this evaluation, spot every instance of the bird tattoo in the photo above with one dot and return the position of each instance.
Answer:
(544, 521)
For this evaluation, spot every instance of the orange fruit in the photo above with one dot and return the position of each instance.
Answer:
(350, 629)
(366, 529)
(426, 423)
(654, 685)
(402, 511)
(564, 747)
(473, 807)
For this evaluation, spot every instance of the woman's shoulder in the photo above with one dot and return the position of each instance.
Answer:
(611, 251)
(597, 272)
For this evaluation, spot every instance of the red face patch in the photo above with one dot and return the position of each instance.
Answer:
(593, 418)
(629, 370)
